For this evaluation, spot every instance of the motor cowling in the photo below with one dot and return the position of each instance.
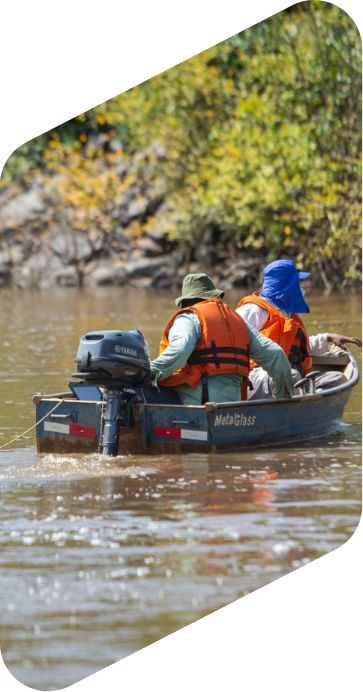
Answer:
(114, 355)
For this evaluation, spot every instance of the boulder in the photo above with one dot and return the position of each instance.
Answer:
(244, 271)
(115, 145)
(104, 273)
(166, 279)
(71, 245)
(206, 253)
(22, 208)
(132, 205)
(145, 267)
(136, 208)
(98, 140)
(5, 275)
(148, 246)
(41, 271)
(12, 254)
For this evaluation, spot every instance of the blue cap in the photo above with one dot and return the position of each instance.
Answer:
(281, 286)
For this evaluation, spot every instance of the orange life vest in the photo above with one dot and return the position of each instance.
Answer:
(224, 345)
(289, 333)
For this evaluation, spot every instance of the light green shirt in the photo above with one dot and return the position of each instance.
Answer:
(185, 335)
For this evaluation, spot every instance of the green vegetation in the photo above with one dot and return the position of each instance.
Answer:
(257, 139)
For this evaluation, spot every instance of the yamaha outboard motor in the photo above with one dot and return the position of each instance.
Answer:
(117, 362)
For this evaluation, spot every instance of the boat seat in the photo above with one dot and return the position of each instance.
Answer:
(310, 378)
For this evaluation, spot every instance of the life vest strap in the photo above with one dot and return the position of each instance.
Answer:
(205, 391)
(298, 350)
(200, 356)
(195, 360)
(300, 334)
(222, 349)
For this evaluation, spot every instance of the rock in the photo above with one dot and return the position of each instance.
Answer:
(67, 276)
(115, 145)
(41, 270)
(12, 254)
(243, 271)
(130, 207)
(71, 245)
(147, 267)
(99, 141)
(5, 276)
(104, 273)
(157, 231)
(135, 272)
(135, 254)
(48, 187)
(148, 246)
(22, 208)
(38, 246)
(135, 208)
(206, 252)
(141, 282)
(194, 268)
(166, 279)
(162, 223)
(121, 170)
(123, 241)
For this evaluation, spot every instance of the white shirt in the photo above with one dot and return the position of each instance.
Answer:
(256, 316)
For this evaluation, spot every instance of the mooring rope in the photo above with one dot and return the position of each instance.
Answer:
(33, 426)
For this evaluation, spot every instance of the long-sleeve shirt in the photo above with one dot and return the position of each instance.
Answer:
(185, 335)
(256, 316)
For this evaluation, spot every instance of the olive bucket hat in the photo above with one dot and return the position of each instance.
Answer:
(198, 286)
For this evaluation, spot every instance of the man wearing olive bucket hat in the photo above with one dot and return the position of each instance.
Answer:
(205, 349)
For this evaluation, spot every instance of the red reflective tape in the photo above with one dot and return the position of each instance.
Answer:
(167, 432)
(82, 432)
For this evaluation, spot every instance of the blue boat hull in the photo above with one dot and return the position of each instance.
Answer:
(75, 427)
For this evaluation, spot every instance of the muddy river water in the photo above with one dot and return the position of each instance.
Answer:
(101, 557)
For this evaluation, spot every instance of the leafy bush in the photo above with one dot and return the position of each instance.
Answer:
(257, 139)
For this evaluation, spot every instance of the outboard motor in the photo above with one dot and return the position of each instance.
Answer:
(117, 362)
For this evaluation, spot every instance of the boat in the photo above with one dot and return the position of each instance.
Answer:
(73, 422)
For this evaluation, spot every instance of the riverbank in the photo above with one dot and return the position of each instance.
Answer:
(41, 248)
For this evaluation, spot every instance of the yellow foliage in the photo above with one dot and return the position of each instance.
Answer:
(261, 138)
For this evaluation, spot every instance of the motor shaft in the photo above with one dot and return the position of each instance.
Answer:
(111, 427)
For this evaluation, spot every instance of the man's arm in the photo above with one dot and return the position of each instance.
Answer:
(254, 314)
(147, 350)
(183, 338)
(340, 340)
(320, 343)
(271, 358)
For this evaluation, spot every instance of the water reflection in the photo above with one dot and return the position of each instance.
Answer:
(100, 557)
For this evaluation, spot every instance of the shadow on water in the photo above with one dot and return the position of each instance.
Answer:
(101, 557)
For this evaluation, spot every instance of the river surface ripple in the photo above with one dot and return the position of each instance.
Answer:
(101, 557)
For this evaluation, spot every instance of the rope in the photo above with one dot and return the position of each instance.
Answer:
(33, 426)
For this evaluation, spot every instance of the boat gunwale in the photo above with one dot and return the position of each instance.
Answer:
(210, 407)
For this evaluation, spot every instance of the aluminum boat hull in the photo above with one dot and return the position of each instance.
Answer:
(75, 427)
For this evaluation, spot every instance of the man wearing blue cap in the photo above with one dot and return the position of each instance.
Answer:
(273, 312)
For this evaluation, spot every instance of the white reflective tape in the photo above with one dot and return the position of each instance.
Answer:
(194, 435)
(57, 427)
